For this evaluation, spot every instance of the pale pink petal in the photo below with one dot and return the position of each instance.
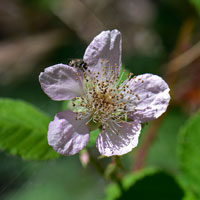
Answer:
(67, 135)
(106, 46)
(111, 143)
(61, 82)
(151, 97)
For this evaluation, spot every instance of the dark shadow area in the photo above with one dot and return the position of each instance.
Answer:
(159, 186)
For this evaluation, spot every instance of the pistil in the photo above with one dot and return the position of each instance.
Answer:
(104, 100)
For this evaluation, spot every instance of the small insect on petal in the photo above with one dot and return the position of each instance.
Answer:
(101, 98)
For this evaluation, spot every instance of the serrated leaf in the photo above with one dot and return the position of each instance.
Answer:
(23, 130)
(147, 184)
(189, 152)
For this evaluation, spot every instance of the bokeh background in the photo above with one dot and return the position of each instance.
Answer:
(160, 37)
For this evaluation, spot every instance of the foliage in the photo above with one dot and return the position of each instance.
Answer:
(189, 152)
(23, 130)
(165, 29)
(196, 4)
(146, 184)
(166, 142)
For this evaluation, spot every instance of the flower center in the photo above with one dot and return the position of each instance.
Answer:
(107, 97)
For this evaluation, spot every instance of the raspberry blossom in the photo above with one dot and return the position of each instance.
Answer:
(101, 99)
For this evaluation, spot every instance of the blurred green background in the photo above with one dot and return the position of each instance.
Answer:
(160, 37)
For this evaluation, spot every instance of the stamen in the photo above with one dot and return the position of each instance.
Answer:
(104, 97)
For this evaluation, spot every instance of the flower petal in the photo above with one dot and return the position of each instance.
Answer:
(106, 46)
(61, 82)
(151, 96)
(111, 143)
(67, 135)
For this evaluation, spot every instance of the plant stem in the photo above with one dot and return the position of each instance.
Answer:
(96, 163)
(115, 177)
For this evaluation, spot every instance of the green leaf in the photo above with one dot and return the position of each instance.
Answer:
(23, 130)
(147, 184)
(165, 145)
(189, 152)
(196, 4)
(189, 195)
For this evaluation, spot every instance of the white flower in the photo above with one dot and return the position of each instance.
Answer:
(100, 98)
